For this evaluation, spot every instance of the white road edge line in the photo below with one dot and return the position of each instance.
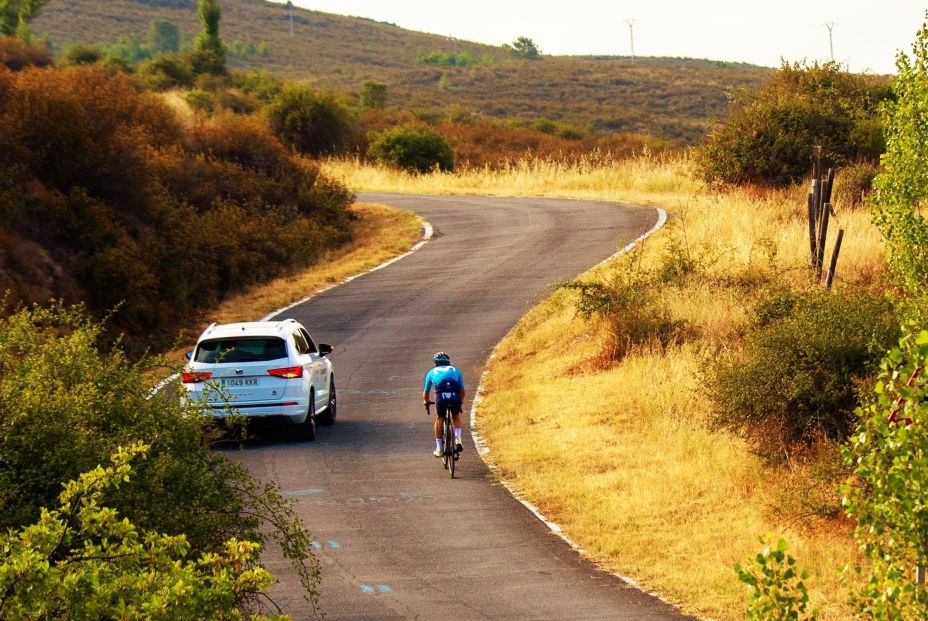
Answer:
(427, 232)
(482, 448)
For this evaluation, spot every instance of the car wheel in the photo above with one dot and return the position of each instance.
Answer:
(307, 429)
(331, 410)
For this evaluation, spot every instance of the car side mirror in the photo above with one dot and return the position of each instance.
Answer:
(189, 355)
(325, 349)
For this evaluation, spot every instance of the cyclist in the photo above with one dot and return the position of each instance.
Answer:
(449, 394)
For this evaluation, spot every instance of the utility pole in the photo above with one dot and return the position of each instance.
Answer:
(290, 6)
(455, 57)
(631, 34)
(831, 48)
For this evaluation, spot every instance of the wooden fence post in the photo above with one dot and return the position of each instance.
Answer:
(834, 259)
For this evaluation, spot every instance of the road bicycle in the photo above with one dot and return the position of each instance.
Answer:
(449, 456)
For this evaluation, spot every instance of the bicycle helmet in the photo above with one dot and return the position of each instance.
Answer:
(441, 357)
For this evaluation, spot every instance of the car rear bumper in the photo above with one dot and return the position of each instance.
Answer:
(292, 411)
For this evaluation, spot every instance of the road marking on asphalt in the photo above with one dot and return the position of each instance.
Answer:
(303, 492)
(380, 588)
(483, 449)
(334, 545)
(316, 545)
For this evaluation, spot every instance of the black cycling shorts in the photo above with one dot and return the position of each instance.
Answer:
(444, 407)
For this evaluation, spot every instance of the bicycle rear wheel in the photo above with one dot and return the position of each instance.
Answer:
(449, 445)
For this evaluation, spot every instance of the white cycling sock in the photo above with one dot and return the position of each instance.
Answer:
(438, 443)
(457, 434)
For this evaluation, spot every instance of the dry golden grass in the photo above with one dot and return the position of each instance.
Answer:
(379, 233)
(621, 455)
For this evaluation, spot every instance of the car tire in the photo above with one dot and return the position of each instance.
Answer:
(331, 411)
(307, 429)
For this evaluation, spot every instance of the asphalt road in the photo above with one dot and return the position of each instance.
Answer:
(397, 538)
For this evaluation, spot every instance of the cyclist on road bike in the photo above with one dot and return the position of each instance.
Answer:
(449, 394)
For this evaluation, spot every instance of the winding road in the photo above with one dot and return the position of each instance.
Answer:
(396, 538)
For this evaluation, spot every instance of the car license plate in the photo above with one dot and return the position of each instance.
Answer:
(234, 382)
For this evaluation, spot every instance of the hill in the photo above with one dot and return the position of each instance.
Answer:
(670, 98)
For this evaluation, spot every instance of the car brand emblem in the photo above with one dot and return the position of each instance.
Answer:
(240, 371)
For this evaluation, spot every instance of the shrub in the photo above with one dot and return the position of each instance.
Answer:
(628, 304)
(768, 136)
(79, 54)
(373, 95)
(16, 54)
(886, 497)
(260, 84)
(414, 148)
(66, 407)
(166, 72)
(308, 122)
(854, 183)
(163, 37)
(795, 379)
(778, 590)
(200, 100)
(80, 556)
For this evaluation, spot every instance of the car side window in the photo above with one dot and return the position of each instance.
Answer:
(300, 343)
(309, 340)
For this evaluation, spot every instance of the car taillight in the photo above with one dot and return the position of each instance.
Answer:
(287, 372)
(192, 377)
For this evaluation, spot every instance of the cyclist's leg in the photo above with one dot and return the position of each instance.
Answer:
(441, 410)
(456, 421)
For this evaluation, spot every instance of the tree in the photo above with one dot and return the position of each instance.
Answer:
(902, 187)
(163, 37)
(81, 556)
(210, 55)
(373, 95)
(523, 47)
(768, 136)
(310, 123)
(16, 14)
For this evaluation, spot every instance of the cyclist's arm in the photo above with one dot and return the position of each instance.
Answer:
(426, 387)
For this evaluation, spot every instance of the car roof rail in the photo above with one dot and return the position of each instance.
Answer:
(209, 328)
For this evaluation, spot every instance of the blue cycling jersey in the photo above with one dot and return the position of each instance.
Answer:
(447, 381)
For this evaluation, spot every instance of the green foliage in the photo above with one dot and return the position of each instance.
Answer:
(854, 183)
(523, 47)
(165, 72)
(129, 49)
(65, 407)
(201, 100)
(887, 496)
(629, 306)
(261, 84)
(451, 59)
(902, 186)
(308, 122)
(15, 15)
(77, 54)
(163, 37)
(373, 95)
(414, 148)
(82, 558)
(795, 379)
(778, 589)
(768, 136)
(209, 55)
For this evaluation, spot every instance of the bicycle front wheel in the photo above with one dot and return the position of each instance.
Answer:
(449, 446)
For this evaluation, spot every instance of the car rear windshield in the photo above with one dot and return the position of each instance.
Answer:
(241, 350)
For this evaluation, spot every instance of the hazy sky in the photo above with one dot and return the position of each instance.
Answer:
(866, 35)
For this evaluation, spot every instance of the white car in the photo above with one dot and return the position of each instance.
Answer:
(267, 369)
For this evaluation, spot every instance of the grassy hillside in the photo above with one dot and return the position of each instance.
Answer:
(671, 98)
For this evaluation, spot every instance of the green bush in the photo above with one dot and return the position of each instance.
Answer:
(795, 379)
(166, 72)
(79, 54)
(778, 589)
(629, 306)
(310, 123)
(201, 100)
(66, 407)
(80, 556)
(414, 148)
(768, 136)
(886, 497)
(853, 184)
